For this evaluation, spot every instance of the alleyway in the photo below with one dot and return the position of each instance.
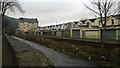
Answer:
(58, 59)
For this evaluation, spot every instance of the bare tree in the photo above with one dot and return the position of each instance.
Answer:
(103, 9)
(9, 5)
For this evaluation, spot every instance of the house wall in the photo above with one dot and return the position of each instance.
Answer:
(118, 34)
(35, 25)
(117, 21)
(73, 31)
(96, 23)
(30, 26)
(85, 33)
(53, 33)
(46, 33)
(65, 33)
(47, 28)
(112, 34)
(76, 33)
(92, 34)
(27, 26)
(58, 33)
(21, 26)
(109, 22)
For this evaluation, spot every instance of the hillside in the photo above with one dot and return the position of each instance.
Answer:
(10, 22)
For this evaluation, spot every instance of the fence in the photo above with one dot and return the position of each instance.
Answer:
(66, 34)
(110, 35)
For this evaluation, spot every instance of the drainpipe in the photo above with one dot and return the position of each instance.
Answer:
(71, 32)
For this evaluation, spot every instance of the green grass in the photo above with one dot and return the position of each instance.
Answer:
(111, 54)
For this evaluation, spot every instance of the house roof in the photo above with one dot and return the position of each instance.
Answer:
(83, 21)
(117, 16)
(75, 22)
(29, 20)
(92, 20)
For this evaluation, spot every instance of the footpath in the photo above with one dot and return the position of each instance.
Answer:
(57, 58)
(27, 55)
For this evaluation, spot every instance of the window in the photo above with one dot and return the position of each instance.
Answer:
(112, 21)
(99, 23)
(27, 25)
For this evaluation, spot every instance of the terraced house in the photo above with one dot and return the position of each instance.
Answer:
(27, 24)
(92, 28)
(85, 29)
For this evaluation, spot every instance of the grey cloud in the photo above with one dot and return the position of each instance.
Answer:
(44, 7)
(53, 12)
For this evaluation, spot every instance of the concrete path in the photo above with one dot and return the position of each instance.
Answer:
(0, 51)
(58, 59)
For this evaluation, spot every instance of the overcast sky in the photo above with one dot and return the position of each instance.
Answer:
(51, 12)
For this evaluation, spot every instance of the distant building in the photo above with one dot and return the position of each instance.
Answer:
(27, 24)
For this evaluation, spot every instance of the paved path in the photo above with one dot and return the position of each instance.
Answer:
(58, 59)
(27, 55)
(0, 51)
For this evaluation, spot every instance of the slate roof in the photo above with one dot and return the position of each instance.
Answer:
(75, 22)
(83, 21)
(92, 20)
(29, 20)
(117, 16)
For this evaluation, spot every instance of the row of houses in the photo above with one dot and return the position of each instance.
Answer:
(87, 28)
(93, 23)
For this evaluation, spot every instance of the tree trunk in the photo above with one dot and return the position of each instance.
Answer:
(102, 32)
(104, 27)
(102, 38)
(1, 23)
